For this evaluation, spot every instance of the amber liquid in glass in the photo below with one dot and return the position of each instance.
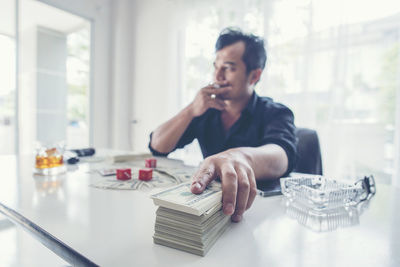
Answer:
(51, 159)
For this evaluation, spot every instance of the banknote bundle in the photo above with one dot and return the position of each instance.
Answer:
(187, 221)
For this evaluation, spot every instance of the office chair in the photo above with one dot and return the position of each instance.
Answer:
(308, 152)
(308, 161)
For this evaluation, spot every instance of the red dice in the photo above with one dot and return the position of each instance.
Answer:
(150, 163)
(145, 174)
(124, 174)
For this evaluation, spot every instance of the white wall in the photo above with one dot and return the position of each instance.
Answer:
(121, 73)
(157, 30)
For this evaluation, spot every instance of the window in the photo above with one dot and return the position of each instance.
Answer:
(54, 74)
(78, 78)
(334, 64)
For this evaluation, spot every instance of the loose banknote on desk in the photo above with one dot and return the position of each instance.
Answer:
(188, 221)
(168, 172)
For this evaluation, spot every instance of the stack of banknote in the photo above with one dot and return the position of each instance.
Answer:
(187, 221)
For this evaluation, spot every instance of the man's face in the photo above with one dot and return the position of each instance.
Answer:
(230, 70)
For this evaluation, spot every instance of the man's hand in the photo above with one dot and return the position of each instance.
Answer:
(238, 181)
(208, 97)
(167, 135)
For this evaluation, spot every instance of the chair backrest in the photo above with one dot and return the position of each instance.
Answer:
(308, 152)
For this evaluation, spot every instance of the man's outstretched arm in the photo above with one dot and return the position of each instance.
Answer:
(238, 169)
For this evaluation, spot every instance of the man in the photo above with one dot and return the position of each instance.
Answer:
(243, 137)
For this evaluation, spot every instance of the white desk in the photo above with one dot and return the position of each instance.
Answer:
(19, 248)
(115, 228)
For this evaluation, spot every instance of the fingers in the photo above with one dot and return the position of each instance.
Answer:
(209, 90)
(229, 188)
(253, 188)
(207, 98)
(210, 98)
(239, 190)
(242, 194)
(238, 183)
(218, 84)
(217, 104)
(204, 175)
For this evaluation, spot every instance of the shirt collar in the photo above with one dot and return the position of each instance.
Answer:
(251, 106)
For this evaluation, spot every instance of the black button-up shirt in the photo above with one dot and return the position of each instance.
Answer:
(262, 122)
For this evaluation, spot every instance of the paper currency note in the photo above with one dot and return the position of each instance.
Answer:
(181, 198)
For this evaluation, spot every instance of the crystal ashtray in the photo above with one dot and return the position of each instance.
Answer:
(320, 193)
(325, 220)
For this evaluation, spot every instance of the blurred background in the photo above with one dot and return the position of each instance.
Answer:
(106, 73)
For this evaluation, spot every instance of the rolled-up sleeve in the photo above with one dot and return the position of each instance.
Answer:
(280, 130)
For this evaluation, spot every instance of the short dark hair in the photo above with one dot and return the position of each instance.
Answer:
(254, 56)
